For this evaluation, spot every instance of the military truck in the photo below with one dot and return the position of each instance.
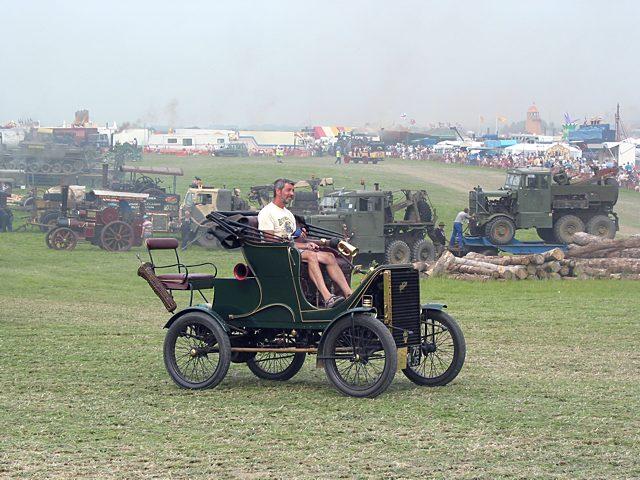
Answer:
(204, 200)
(367, 217)
(555, 205)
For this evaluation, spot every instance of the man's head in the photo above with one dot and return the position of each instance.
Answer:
(283, 191)
(441, 225)
(466, 210)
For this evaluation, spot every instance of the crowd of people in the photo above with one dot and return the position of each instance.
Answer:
(628, 175)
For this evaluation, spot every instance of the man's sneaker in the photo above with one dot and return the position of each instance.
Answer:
(333, 301)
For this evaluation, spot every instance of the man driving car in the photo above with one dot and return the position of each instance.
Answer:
(276, 219)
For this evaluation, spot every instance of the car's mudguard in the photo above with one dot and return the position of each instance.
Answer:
(433, 306)
(199, 308)
(346, 313)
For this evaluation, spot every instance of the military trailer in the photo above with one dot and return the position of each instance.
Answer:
(261, 317)
(555, 205)
(367, 218)
(201, 201)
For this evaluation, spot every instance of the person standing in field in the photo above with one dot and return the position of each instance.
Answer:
(338, 156)
(439, 239)
(456, 234)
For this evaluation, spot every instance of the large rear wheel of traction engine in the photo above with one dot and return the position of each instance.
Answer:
(500, 230)
(442, 351)
(566, 226)
(360, 356)
(197, 351)
(276, 366)
(116, 236)
(601, 226)
(397, 252)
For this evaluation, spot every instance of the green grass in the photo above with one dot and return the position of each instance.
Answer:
(550, 387)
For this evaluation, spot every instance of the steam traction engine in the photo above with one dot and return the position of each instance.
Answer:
(108, 219)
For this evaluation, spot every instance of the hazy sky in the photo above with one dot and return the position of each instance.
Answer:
(307, 63)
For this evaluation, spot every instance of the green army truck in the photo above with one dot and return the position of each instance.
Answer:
(555, 205)
(367, 218)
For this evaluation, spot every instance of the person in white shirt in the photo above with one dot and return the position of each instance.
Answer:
(462, 217)
(276, 219)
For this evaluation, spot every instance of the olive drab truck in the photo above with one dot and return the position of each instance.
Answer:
(556, 205)
(368, 220)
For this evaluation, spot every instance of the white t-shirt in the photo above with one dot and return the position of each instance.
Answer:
(279, 220)
(461, 217)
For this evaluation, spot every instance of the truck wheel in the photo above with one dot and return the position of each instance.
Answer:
(423, 251)
(566, 226)
(398, 252)
(547, 235)
(500, 230)
(602, 226)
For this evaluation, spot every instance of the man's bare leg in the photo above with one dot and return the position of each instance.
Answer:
(311, 258)
(335, 272)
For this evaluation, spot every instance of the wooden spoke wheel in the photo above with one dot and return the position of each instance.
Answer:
(116, 236)
(360, 356)
(442, 351)
(62, 238)
(276, 366)
(197, 351)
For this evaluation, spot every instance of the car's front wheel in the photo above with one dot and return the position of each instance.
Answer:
(360, 356)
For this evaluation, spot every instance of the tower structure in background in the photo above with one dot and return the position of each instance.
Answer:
(533, 124)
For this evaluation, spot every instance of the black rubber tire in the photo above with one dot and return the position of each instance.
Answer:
(397, 252)
(438, 320)
(601, 226)
(566, 226)
(213, 334)
(49, 218)
(423, 251)
(294, 365)
(500, 230)
(363, 323)
(547, 235)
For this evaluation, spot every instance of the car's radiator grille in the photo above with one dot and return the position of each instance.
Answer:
(405, 306)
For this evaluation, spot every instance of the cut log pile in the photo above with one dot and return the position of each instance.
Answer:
(589, 257)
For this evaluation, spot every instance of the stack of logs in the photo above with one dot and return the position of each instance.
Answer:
(589, 257)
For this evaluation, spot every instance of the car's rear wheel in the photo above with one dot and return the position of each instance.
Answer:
(360, 356)
(197, 352)
(442, 351)
(276, 366)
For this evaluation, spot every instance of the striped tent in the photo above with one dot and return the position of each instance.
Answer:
(331, 132)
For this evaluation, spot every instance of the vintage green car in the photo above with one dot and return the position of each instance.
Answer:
(267, 316)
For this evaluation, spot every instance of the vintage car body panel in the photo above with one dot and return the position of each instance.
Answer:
(199, 308)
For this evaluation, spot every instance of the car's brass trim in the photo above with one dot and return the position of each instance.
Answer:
(402, 358)
(388, 315)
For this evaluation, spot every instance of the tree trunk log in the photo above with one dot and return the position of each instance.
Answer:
(606, 244)
(553, 254)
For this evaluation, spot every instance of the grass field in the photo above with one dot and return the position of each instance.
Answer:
(550, 388)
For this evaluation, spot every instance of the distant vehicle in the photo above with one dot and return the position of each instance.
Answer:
(200, 202)
(361, 148)
(232, 150)
(555, 205)
(367, 218)
(306, 200)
